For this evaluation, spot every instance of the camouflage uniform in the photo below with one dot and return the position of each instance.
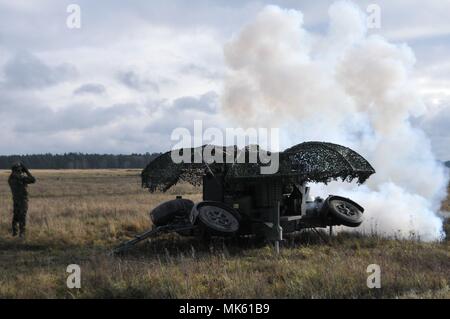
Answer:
(18, 183)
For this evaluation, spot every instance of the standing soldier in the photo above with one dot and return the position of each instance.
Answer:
(18, 181)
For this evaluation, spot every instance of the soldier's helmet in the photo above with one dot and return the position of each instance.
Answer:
(16, 167)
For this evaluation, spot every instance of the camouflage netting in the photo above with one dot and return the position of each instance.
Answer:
(306, 162)
(318, 162)
(162, 173)
(322, 161)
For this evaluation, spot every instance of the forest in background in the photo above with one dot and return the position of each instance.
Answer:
(78, 161)
(83, 161)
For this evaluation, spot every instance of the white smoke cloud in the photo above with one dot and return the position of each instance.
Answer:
(347, 87)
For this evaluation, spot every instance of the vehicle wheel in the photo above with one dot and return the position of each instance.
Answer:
(345, 212)
(166, 212)
(218, 218)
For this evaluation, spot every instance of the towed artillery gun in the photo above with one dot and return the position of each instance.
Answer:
(238, 200)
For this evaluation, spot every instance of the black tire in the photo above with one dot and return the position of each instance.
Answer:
(166, 212)
(346, 212)
(217, 218)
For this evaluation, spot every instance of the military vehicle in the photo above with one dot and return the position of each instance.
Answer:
(238, 200)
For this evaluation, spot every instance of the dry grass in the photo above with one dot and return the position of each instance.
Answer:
(77, 216)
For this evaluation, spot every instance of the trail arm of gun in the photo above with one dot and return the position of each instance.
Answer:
(151, 233)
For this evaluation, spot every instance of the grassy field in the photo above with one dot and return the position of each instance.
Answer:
(76, 217)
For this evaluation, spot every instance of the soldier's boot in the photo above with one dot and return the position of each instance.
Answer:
(22, 230)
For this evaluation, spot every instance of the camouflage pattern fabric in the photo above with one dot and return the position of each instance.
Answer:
(18, 184)
(318, 162)
(162, 173)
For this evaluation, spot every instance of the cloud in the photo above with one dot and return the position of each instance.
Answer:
(59, 113)
(155, 59)
(134, 81)
(207, 102)
(26, 112)
(75, 117)
(201, 71)
(26, 71)
(182, 111)
(90, 88)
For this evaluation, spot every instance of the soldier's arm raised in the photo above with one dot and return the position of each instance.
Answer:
(29, 179)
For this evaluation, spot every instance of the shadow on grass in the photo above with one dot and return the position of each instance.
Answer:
(17, 244)
(175, 245)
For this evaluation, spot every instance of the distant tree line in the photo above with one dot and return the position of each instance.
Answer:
(78, 161)
(83, 161)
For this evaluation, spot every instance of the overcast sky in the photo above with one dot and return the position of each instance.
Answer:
(136, 70)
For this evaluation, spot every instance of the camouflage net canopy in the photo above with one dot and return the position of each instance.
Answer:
(162, 173)
(318, 162)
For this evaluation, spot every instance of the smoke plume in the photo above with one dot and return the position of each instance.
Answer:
(348, 87)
